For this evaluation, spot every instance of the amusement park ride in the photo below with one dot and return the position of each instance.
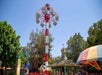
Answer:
(45, 16)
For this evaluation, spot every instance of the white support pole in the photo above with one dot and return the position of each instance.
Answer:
(46, 46)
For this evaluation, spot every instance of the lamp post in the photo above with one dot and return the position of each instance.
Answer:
(45, 16)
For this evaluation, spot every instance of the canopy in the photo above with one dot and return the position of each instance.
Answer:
(90, 56)
(64, 63)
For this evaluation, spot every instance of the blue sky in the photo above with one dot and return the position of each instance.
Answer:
(75, 16)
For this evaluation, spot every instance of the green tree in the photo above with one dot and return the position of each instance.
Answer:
(23, 56)
(75, 44)
(37, 58)
(95, 34)
(9, 44)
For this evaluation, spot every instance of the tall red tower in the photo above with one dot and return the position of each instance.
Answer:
(45, 16)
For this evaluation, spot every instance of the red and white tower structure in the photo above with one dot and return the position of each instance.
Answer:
(46, 16)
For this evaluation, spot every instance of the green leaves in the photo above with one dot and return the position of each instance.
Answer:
(75, 44)
(9, 44)
(95, 34)
(1, 49)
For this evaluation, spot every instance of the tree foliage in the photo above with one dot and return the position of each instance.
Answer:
(23, 56)
(9, 44)
(38, 52)
(95, 34)
(75, 44)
